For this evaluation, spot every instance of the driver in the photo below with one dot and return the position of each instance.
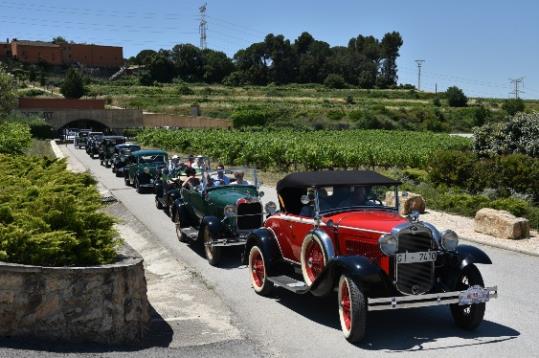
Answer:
(192, 181)
(238, 176)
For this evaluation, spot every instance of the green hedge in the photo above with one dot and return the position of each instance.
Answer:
(50, 216)
(14, 137)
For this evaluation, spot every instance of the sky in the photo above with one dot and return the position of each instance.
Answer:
(477, 45)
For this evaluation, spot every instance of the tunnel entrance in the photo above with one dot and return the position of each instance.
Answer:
(95, 126)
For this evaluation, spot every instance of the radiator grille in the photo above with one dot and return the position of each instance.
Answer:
(415, 278)
(249, 216)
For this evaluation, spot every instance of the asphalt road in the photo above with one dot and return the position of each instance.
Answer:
(304, 326)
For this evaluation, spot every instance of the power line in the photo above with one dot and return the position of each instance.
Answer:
(203, 27)
(419, 65)
(516, 82)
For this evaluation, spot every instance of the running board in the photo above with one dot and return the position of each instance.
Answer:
(289, 283)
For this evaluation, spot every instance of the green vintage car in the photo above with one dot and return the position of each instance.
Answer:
(142, 168)
(217, 213)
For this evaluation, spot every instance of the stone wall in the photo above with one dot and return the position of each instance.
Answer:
(60, 103)
(103, 304)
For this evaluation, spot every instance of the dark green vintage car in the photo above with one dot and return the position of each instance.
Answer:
(142, 168)
(216, 214)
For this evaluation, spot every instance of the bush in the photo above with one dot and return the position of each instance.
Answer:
(455, 97)
(183, 89)
(452, 168)
(249, 116)
(49, 216)
(14, 137)
(334, 80)
(8, 94)
(73, 86)
(436, 102)
(519, 135)
(513, 106)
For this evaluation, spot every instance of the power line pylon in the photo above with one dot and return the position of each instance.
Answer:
(516, 82)
(419, 65)
(203, 26)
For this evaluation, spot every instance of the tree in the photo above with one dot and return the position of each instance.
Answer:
(73, 85)
(188, 62)
(216, 66)
(8, 94)
(161, 69)
(513, 106)
(144, 57)
(455, 97)
(59, 40)
(389, 48)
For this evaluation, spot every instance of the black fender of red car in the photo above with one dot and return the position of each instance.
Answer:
(467, 255)
(267, 242)
(371, 278)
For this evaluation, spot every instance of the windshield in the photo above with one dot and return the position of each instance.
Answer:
(152, 159)
(334, 198)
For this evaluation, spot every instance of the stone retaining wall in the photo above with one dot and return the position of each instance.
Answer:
(103, 304)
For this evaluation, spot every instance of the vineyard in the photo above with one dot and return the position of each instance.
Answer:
(310, 150)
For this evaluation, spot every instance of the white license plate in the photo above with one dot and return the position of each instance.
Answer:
(415, 257)
(473, 295)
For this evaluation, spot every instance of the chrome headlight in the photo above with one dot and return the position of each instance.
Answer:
(388, 245)
(146, 170)
(271, 208)
(230, 210)
(450, 240)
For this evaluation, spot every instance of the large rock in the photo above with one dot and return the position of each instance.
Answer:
(501, 224)
(408, 202)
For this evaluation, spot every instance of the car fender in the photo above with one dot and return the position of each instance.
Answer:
(360, 268)
(267, 242)
(467, 255)
(214, 225)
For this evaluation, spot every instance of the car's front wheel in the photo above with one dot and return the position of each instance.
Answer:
(137, 186)
(468, 317)
(213, 253)
(352, 310)
(158, 204)
(258, 272)
(178, 221)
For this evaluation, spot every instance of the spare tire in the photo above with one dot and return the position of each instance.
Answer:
(314, 257)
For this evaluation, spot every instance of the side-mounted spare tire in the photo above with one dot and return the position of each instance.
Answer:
(315, 256)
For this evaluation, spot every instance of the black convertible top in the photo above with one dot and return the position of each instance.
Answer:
(333, 177)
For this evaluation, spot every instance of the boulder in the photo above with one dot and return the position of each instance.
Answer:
(408, 202)
(501, 224)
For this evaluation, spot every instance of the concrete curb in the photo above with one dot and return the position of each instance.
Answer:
(502, 247)
(56, 150)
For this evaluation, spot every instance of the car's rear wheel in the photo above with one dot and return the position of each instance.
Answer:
(178, 221)
(352, 310)
(313, 258)
(468, 317)
(213, 253)
(258, 272)
(137, 186)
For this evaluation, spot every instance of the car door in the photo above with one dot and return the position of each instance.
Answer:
(299, 228)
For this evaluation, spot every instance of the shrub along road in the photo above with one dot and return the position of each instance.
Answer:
(297, 326)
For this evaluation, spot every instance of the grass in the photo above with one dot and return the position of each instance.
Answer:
(41, 148)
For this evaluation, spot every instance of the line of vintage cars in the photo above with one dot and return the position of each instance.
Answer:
(330, 231)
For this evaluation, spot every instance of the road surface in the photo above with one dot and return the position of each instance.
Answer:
(304, 326)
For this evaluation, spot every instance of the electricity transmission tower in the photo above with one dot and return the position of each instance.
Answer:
(203, 27)
(419, 65)
(516, 82)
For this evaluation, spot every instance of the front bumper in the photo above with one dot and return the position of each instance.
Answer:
(434, 299)
(240, 241)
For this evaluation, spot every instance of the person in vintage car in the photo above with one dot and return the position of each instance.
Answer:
(81, 137)
(119, 158)
(334, 232)
(220, 178)
(93, 142)
(142, 168)
(107, 147)
(217, 216)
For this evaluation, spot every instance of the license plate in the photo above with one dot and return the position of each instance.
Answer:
(473, 295)
(415, 257)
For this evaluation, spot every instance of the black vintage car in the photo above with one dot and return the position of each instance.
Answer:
(119, 158)
(168, 183)
(80, 139)
(106, 148)
(93, 142)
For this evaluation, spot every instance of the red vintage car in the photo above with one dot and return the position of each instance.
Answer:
(334, 232)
